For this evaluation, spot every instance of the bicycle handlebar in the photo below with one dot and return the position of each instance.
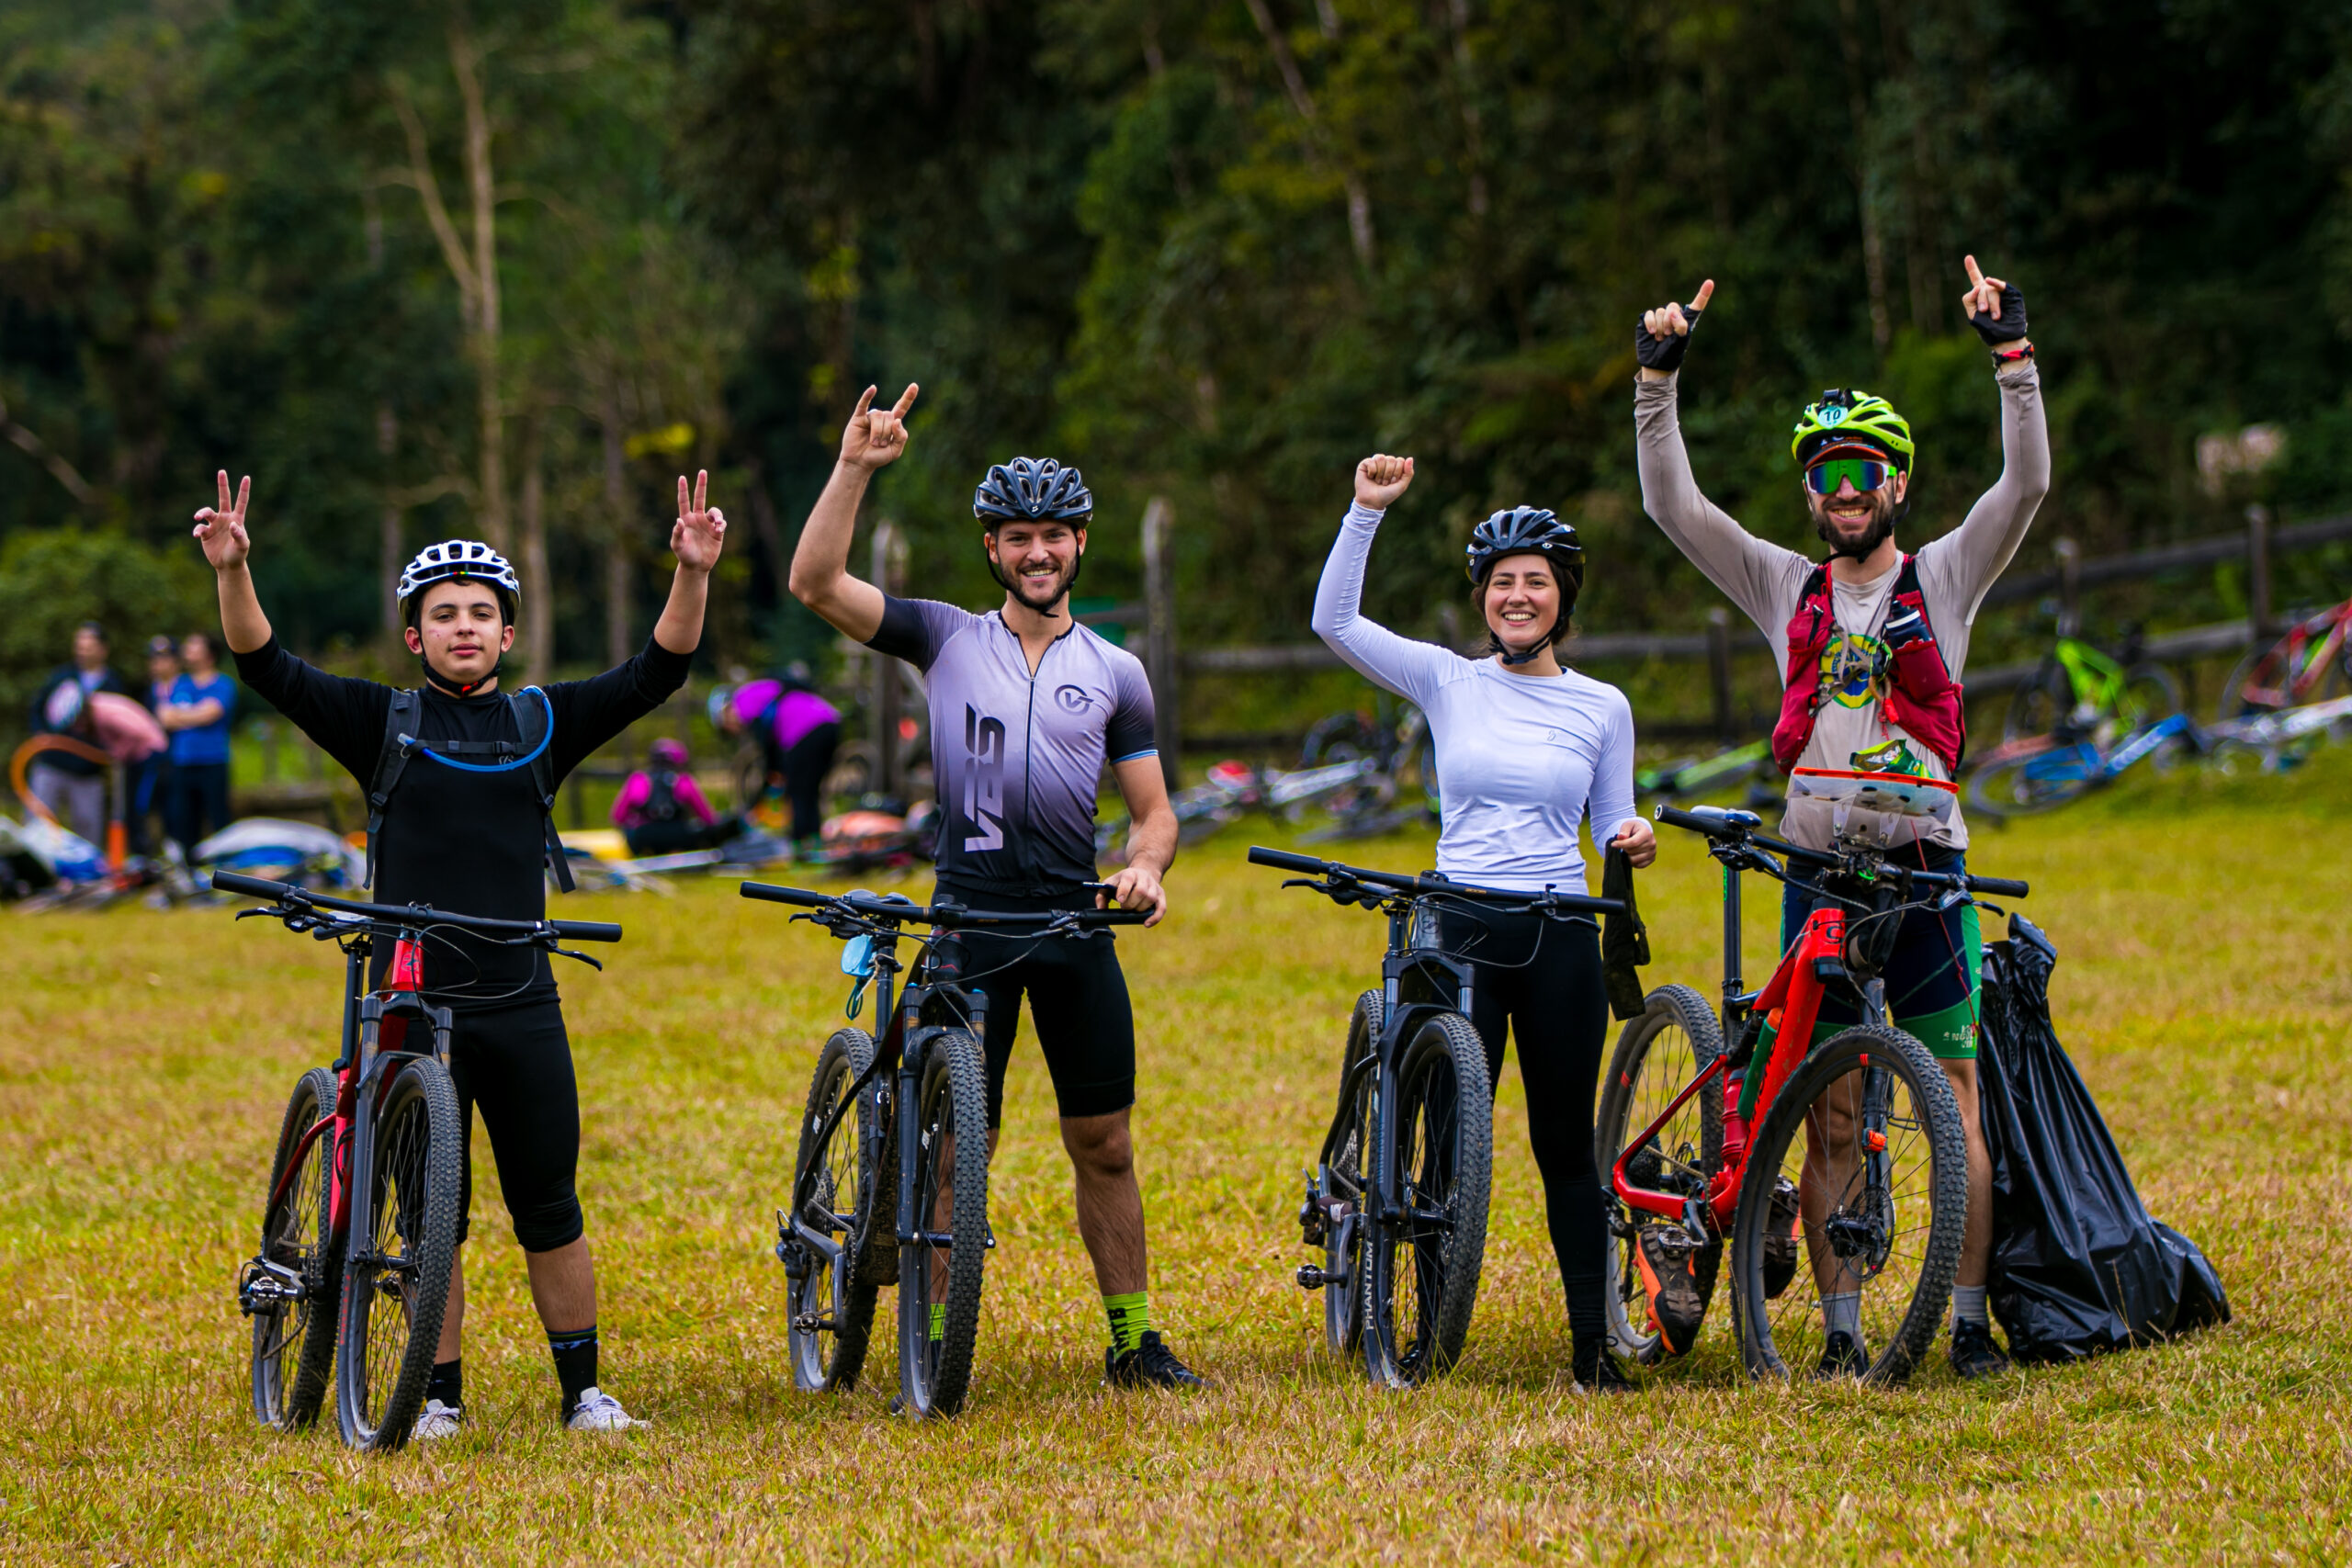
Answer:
(1422, 885)
(947, 917)
(1727, 827)
(414, 914)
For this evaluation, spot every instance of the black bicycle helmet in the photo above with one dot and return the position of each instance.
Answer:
(1529, 530)
(1031, 490)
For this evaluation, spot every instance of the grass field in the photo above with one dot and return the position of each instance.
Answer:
(2204, 986)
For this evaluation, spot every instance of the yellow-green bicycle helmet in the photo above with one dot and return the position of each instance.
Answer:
(1844, 415)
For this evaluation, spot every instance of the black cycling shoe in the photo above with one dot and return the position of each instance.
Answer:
(1975, 1353)
(1844, 1357)
(1604, 1376)
(1150, 1365)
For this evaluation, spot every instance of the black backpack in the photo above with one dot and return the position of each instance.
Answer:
(535, 722)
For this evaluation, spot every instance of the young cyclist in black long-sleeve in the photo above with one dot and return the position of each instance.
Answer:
(471, 838)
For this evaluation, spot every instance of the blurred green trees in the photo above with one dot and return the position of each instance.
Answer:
(503, 267)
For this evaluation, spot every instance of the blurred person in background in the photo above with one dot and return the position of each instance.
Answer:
(149, 791)
(75, 788)
(662, 811)
(798, 731)
(196, 715)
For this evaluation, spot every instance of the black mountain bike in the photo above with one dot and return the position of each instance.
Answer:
(359, 1226)
(897, 1132)
(1400, 1185)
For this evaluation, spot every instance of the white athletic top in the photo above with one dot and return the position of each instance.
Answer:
(1521, 758)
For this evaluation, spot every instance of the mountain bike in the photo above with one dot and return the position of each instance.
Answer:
(2030, 778)
(890, 1180)
(2312, 663)
(1697, 775)
(359, 1224)
(2078, 688)
(1398, 1199)
(1850, 1158)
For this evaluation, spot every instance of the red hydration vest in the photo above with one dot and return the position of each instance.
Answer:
(1921, 695)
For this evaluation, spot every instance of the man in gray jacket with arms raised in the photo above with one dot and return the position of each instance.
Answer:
(1870, 644)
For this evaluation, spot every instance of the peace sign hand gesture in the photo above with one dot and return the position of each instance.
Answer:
(1994, 307)
(874, 437)
(1664, 335)
(221, 529)
(701, 530)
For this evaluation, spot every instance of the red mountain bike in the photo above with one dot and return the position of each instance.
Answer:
(2312, 663)
(370, 1148)
(1851, 1159)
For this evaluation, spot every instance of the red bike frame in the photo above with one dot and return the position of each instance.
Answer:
(1791, 1002)
(372, 1024)
(2302, 675)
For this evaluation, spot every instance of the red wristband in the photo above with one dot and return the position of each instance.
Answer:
(2011, 356)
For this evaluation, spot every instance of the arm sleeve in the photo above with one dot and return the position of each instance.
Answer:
(690, 795)
(590, 713)
(916, 629)
(1611, 804)
(1970, 556)
(345, 718)
(1414, 670)
(1755, 575)
(1132, 732)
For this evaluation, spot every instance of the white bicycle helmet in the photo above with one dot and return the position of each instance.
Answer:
(460, 558)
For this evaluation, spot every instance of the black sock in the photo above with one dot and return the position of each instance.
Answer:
(448, 1382)
(575, 1362)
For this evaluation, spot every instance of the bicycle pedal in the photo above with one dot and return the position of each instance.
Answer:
(1311, 1276)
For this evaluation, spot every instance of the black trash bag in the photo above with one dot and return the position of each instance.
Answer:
(2078, 1266)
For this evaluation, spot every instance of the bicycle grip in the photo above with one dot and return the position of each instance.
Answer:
(772, 894)
(1283, 860)
(1674, 817)
(1999, 887)
(586, 930)
(252, 886)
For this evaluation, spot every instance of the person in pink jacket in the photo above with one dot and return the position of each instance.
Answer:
(662, 811)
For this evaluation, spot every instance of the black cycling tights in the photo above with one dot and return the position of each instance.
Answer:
(515, 1064)
(1542, 978)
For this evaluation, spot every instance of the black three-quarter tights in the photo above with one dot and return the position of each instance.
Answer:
(1542, 978)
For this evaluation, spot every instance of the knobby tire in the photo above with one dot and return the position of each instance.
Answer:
(935, 1375)
(831, 1181)
(293, 1343)
(1673, 1039)
(1442, 1125)
(391, 1312)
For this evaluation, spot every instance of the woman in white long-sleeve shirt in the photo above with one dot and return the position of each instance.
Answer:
(1526, 750)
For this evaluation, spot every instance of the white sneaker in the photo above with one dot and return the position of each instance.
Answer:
(439, 1420)
(600, 1412)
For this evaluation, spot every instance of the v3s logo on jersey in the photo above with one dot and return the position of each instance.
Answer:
(983, 793)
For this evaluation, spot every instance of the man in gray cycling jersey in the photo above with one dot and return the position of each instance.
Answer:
(1026, 708)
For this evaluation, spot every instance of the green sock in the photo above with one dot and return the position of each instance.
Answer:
(939, 1320)
(1130, 1317)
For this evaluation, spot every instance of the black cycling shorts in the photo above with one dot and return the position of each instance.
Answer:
(1077, 996)
(515, 1064)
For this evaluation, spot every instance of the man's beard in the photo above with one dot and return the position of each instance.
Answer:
(1017, 585)
(1882, 529)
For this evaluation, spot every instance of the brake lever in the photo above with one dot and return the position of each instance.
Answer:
(567, 953)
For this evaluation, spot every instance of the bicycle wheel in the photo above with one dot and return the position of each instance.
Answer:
(2041, 704)
(2149, 693)
(2262, 682)
(1343, 1174)
(833, 1193)
(1658, 1053)
(1416, 1316)
(2039, 781)
(1868, 1129)
(939, 1275)
(396, 1280)
(294, 1340)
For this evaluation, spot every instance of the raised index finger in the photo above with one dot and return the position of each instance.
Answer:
(1976, 278)
(702, 489)
(1706, 292)
(222, 479)
(245, 492)
(681, 495)
(865, 402)
(906, 401)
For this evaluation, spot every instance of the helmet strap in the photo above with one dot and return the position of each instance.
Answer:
(448, 688)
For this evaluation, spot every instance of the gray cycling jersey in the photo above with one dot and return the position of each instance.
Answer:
(1016, 757)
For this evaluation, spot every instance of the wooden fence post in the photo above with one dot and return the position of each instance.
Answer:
(889, 574)
(2257, 573)
(2070, 588)
(1719, 671)
(1159, 631)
